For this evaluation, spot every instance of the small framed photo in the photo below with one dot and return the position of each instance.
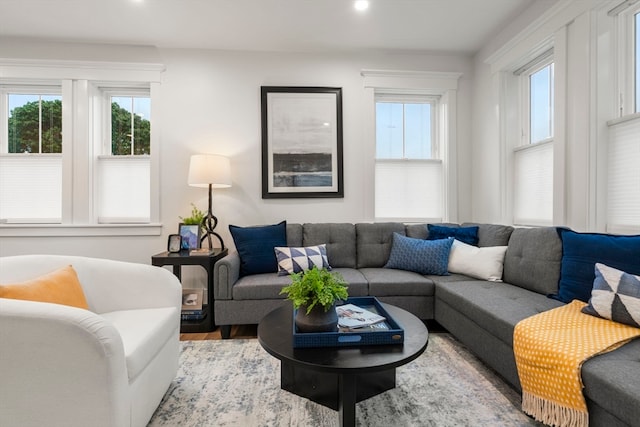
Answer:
(192, 299)
(190, 234)
(174, 243)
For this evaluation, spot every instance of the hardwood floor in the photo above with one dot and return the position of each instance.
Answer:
(237, 332)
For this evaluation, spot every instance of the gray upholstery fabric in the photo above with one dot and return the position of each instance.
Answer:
(294, 235)
(495, 306)
(390, 282)
(339, 238)
(533, 259)
(269, 285)
(416, 231)
(419, 305)
(611, 380)
(260, 286)
(374, 242)
(491, 234)
(490, 349)
(226, 272)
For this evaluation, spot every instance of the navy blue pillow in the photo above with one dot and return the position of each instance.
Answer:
(420, 256)
(468, 235)
(255, 247)
(580, 253)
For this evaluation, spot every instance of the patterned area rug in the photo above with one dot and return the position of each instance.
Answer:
(237, 383)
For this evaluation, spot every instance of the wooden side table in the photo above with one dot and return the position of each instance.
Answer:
(177, 260)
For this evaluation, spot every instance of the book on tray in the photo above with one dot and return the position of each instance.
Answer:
(353, 317)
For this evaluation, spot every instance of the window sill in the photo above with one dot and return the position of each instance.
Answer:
(78, 230)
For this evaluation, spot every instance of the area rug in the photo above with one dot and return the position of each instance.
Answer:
(237, 383)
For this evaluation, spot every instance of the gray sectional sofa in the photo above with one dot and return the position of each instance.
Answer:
(481, 314)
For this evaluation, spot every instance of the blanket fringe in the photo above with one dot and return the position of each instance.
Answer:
(552, 413)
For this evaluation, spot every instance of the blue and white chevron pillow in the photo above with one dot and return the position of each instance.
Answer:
(615, 296)
(296, 260)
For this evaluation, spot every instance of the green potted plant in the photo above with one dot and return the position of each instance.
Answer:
(314, 294)
(196, 217)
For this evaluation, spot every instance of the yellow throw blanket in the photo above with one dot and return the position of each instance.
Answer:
(550, 349)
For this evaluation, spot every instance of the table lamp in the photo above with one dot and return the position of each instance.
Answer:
(213, 171)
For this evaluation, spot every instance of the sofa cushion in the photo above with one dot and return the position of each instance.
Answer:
(60, 286)
(420, 256)
(615, 296)
(494, 306)
(533, 259)
(298, 259)
(491, 234)
(420, 231)
(374, 242)
(611, 380)
(268, 285)
(144, 333)
(294, 234)
(389, 282)
(468, 235)
(255, 246)
(480, 263)
(340, 239)
(581, 251)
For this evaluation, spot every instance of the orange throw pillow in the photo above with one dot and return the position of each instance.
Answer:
(59, 287)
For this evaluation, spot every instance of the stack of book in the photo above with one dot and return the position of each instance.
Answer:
(193, 314)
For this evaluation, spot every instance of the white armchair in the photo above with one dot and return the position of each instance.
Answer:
(109, 366)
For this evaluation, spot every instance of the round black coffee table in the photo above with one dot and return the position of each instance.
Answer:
(339, 377)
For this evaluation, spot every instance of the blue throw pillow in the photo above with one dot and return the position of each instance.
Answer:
(255, 247)
(468, 235)
(581, 252)
(420, 256)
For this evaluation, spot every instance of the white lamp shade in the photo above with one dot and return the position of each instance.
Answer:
(205, 169)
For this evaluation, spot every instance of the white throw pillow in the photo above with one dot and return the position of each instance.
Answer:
(481, 263)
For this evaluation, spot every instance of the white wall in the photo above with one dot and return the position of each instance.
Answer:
(210, 103)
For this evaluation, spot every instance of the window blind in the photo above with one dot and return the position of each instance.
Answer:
(409, 190)
(533, 185)
(31, 188)
(623, 177)
(124, 189)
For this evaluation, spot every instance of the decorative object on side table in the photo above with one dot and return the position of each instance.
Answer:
(212, 171)
(190, 235)
(174, 243)
(314, 294)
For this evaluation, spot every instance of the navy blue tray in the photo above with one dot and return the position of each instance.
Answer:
(358, 337)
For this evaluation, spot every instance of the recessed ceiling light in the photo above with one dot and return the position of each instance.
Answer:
(361, 5)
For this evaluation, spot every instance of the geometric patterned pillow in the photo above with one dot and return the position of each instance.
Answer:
(615, 296)
(296, 260)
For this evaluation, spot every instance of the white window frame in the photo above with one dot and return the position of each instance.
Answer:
(81, 144)
(626, 84)
(427, 165)
(525, 74)
(515, 131)
(443, 85)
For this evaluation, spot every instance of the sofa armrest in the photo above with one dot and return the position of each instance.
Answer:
(108, 285)
(60, 365)
(226, 273)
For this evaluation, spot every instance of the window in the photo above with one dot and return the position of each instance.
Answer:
(77, 153)
(533, 157)
(408, 174)
(541, 104)
(30, 155)
(130, 126)
(124, 167)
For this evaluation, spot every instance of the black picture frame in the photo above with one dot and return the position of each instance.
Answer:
(190, 234)
(302, 154)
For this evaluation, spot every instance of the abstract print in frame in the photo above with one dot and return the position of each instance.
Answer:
(301, 142)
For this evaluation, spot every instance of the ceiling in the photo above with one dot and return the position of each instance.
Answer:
(454, 26)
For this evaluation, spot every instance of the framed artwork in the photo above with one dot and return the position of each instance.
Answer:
(190, 234)
(301, 142)
(192, 299)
